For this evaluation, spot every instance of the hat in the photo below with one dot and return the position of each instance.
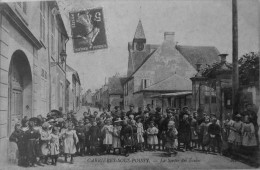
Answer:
(238, 115)
(118, 120)
(171, 123)
(55, 129)
(185, 107)
(131, 105)
(46, 125)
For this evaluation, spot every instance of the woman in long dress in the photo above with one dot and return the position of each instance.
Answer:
(70, 140)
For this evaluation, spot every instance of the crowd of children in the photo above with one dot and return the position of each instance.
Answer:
(41, 140)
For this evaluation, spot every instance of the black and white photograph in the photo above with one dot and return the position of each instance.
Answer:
(129, 84)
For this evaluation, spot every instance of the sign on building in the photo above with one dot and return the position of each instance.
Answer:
(88, 30)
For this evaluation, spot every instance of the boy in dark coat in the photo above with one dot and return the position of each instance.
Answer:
(81, 131)
(214, 131)
(126, 137)
(18, 137)
(31, 137)
(184, 132)
(94, 136)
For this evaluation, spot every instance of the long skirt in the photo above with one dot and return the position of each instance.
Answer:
(152, 140)
(69, 146)
(140, 138)
(108, 139)
(116, 142)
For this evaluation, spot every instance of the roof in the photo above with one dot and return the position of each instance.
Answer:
(139, 33)
(138, 63)
(202, 54)
(115, 85)
(173, 83)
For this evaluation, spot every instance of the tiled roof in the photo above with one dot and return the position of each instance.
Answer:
(139, 33)
(173, 83)
(114, 85)
(203, 54)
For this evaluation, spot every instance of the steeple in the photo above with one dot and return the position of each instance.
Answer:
(139, 33)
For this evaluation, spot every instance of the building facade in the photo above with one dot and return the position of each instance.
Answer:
(26, 44)
(160, 74)
(74, 90)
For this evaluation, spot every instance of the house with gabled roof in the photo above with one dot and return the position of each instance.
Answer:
(160, 74)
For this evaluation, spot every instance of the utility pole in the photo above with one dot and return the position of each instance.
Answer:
(235, 81)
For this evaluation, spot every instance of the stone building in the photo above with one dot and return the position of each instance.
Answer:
(160, 74)
(32, 37)
(74, 90)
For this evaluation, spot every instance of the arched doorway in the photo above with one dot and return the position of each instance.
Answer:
(20, 89)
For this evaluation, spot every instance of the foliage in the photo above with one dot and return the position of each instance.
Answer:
(249, 68)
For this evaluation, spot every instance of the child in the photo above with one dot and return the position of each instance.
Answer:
(140, 133)
(94, 134)
(194, 131)
(81, 135)
(54, 145)
(45, 139)
(18, 137)
(87, 136)
(116, 135)
(214, 131)
(152, 139)
(171, 137)
(235, 134)
(107, 130)
(204, 128)
(70, 140)
(249, 139)
(31, 136)
(126, 135)
(134, 138)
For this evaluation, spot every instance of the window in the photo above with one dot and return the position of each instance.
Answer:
(42, 21)
(145, 83)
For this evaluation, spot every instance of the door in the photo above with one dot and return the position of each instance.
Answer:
(16, 98)
(16, 107)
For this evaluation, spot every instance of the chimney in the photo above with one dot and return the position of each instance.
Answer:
(223, 57)
(198, 65)
(169, 36)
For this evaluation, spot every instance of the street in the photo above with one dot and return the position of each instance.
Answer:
(145, 160)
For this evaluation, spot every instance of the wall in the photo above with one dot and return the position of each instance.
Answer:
(10, 41)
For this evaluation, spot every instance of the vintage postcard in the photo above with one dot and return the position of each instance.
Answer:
(129, 84)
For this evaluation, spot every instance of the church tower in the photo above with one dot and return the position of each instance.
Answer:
(139, 40)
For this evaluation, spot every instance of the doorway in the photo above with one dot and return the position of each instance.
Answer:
(20, 89)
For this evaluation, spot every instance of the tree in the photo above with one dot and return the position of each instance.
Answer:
(249, 68)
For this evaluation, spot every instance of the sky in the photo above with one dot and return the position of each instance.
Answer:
(195, 22)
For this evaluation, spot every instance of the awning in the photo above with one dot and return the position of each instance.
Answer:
(184, 93)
